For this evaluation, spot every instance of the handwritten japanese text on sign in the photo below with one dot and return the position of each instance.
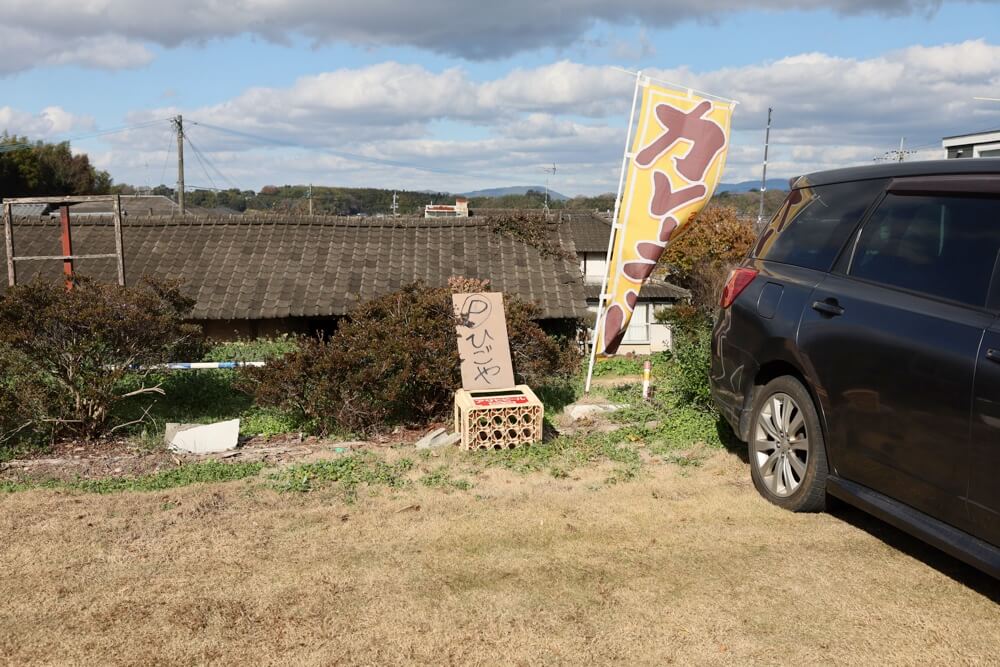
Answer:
(482, 341)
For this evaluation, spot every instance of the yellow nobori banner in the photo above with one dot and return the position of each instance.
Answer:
(676, 160)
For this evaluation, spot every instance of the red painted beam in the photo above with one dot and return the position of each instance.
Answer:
(67, 245)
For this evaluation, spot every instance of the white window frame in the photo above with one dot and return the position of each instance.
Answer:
(636, 324)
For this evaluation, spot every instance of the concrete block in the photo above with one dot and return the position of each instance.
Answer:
(203, 438)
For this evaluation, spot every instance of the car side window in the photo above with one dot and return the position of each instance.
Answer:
(941, 245)
(814, 222)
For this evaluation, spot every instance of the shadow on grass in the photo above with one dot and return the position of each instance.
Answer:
(555, 397)
(948, 565)
(730, 441)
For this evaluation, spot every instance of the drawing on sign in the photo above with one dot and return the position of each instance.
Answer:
(482, 341)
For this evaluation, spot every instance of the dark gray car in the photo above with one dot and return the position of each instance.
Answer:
(857, 350)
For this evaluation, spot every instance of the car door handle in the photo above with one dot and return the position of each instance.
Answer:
(993, 355)
(830, 307)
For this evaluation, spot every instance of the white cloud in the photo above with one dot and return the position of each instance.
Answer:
(108, 33)
(22, 48)
(829, 112)
(47, 124)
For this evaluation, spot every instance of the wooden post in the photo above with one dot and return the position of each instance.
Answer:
(67, 245)
(8, 232)
(118, 240)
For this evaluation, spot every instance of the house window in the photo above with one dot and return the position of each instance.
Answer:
(638, 327)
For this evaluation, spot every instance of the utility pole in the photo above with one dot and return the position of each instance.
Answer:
(309, 196)
(395, 205)
(179, 124)
(763, 178)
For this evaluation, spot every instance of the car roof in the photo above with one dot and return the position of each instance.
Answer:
(987, 165)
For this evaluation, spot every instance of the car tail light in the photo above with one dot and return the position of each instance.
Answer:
(737, 282)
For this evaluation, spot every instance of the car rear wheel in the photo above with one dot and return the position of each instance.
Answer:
(786, 448)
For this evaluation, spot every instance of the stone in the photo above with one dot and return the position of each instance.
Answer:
(447, 440)
(203, 438)
(577, 411)
(425, 442)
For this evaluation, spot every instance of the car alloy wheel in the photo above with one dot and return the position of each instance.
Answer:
(781, 445)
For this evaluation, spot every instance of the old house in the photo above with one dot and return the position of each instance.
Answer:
(260, 275)
(591, 234)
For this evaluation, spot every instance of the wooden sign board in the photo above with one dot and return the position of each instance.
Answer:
(482, 341)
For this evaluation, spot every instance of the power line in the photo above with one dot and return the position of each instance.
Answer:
(355, 156)
(204, 159)
(197, 155)
(116, 130)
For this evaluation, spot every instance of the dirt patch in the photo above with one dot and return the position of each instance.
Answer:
(681, 566)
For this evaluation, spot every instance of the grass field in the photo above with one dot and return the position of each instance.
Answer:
(450, 559)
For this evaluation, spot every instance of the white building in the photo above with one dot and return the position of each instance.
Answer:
(459, 210)
(644, 334)
(980, 144)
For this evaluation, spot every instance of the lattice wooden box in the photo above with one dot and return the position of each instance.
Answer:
(498, 419)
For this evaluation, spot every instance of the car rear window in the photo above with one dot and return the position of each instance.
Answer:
(941, 245)
(813, 223)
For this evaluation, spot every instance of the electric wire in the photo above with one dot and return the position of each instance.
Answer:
(197, 155)
(203, 157)
(355, 157)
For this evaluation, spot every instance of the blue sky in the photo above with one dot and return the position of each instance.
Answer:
(469, 96)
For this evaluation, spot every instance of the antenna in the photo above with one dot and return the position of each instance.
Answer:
(898, 155)
(551, 171)
(395, 205)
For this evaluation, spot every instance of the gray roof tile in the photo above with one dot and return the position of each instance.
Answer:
(265, 267)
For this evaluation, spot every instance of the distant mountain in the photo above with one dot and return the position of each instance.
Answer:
(516, 190)
(747, 186)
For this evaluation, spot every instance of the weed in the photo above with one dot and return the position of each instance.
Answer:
(619, 366)
(256, 349)
(195, 473)
(441, 479)
(346, 472)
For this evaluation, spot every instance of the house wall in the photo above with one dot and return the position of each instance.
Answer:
(985, 144)
(593, 266)
(645, 335)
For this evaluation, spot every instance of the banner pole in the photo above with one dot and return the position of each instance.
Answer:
(613, 237)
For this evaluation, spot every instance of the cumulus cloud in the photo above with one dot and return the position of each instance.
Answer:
(23, 48)
(450, 27)
(829, 112)
(47, 124)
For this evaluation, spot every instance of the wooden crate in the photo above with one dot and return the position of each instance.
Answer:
(498, 419)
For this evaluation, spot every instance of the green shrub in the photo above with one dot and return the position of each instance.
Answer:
(69, 357)
(393, 361)
(692, 354)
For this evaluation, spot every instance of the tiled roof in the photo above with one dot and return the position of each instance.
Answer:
(280, 266)
(590, 231)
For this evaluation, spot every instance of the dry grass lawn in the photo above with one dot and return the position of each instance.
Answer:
(683, 565)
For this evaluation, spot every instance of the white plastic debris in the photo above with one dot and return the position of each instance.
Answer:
(203, 438)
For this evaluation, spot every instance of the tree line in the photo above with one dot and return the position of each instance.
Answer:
(39, 169)
(35, 169)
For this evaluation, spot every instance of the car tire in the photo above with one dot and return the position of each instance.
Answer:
(786, 448)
